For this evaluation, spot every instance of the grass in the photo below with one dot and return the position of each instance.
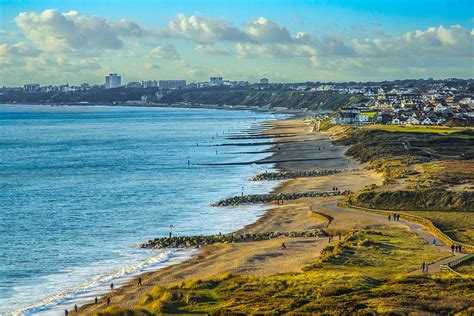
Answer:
(445, 174)
(417, 129)
(457, 225)
(377, 253)
(365, 273)
(370, 114)
(466, 268)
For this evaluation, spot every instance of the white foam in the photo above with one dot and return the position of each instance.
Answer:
(99, 285)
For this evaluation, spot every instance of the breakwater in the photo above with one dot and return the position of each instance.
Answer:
(198, 241)
(263, 198)
(281, 175)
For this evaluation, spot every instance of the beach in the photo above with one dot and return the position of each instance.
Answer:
(297, 148)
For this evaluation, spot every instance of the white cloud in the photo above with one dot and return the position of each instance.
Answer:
(433, 42)
(212, 50)
(18, 49)
(53, 31)
(263, 30)
(165, 52)
(204, 30)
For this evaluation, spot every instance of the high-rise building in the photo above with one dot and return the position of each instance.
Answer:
(113, 81)
(216, 81)
(31, 87)
(171, 84)
(264, 81)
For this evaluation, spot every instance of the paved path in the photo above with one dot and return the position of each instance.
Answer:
(416, 228)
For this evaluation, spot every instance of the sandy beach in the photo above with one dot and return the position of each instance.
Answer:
(299, 146)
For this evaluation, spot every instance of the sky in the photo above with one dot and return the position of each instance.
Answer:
(58, 42)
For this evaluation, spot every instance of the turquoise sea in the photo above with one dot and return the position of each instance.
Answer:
(81, 186)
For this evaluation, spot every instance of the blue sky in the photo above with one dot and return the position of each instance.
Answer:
(240, 40)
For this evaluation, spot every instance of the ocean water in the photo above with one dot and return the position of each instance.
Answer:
(81, 186)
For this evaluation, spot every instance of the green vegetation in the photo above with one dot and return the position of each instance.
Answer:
(415, 128)
(466, 268)
(445, 174)
(396, 155)
(370, 114)
(365, 273)
(263, 98)
(457, 225)
(325, 125)
(421, 200)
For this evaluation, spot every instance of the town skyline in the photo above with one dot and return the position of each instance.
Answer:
(53, 43)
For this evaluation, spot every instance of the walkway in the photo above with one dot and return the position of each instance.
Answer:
(416, 228)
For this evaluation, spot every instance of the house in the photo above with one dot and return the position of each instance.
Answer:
(352, 117)
(413, 121)
(427, 121)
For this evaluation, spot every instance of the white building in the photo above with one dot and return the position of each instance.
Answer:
(216, 81)
(31, 87)
(113, 81)
(171, 84)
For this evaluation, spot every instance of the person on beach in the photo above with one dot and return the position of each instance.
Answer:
(452, 248)
(96, 301)
(66, 312)
(75, 308)
(111, 286)
(283, 246)
(139, 281)
(459, 247)
(108, 300)
(389, 217)
(434, 242)
(423, 266)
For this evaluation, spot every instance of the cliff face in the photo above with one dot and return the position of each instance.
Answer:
(263, 98)
(209, 96)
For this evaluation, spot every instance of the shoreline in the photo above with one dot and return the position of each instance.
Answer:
(254, 258)
(295, 112)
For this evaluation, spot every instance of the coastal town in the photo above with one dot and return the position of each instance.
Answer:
(447, 102)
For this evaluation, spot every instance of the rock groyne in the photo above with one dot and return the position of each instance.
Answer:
(198, 241)
(263, 198)
(281, 175)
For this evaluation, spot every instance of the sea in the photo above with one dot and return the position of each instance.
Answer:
(82, 186)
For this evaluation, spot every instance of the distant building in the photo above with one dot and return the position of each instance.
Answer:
(150, 84)
(352, 117)
(113, 81)
(134, 84)
(216, 81)
(31, 87)
(264, 81)
(172, 84)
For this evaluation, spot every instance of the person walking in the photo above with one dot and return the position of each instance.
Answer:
(111, 286)
(66, 312)
(75, 308)
(460, 251)
(283, 246)
(96, 301)
(108, 300)
(423, 266)
(139, 281)
(434, 242)
(452, 248)
(389, 217)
